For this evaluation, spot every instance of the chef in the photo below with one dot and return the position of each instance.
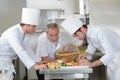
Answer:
(103, 39)
(13, 43)
(51, 41)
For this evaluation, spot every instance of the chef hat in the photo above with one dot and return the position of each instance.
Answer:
(71, 24)
(30, 16)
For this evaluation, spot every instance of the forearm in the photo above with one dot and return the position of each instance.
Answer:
(39, 66)
(35, 66)
(95, 63)
(47, 59)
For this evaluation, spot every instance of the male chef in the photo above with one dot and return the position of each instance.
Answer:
(13, 43)
(51, 41)
(103, 39)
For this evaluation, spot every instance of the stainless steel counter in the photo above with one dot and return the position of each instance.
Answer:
(71, 73)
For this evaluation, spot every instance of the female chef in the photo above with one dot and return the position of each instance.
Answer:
(13, 43)
(105, 40)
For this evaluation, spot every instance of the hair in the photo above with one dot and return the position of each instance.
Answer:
(22, 24)
(52, 26)
(85, 26)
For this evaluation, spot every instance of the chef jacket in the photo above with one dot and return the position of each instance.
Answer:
(105, 40)
(13, 42)
(48, 48)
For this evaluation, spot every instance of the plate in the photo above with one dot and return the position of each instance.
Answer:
(73, 67)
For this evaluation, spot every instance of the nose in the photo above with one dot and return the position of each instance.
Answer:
(79, 37)
(54, 38)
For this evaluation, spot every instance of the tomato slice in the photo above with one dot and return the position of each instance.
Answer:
(79, 63)
(67, 61)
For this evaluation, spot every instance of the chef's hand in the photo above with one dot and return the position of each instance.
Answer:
(83, 55)
(42, 62)
(39, 66)
(85, 62)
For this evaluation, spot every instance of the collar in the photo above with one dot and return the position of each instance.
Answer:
(91, 31)
(21, 30)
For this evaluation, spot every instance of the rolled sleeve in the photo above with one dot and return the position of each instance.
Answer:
(31, 53)
(108, 47)
(107, 58)
(90, 50)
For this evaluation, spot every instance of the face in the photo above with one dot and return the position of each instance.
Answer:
(30, 29)
(80, 35)
(53, 34)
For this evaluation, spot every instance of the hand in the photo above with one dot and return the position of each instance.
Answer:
(83, 55)
(85, 62)
(42, 62)
(39, 66)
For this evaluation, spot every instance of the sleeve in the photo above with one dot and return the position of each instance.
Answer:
(30, 52)
(107, 46)
(42, 49)
(107, 58)
(14, 42)
(90, 49)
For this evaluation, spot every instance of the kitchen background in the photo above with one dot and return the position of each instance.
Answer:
(101, 13)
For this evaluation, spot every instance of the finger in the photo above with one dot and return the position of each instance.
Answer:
(82, 64)
(80, 57)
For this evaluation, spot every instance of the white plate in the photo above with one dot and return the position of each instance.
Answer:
(70, 67)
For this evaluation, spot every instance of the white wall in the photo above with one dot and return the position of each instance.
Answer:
(105, 13)
(70, 6)
(10, 12)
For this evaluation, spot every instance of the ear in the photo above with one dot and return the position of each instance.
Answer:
(83, 29)
(46, 32)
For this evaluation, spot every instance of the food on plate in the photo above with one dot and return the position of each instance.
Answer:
(63, 63)
(60, 61)
(73, 64)
(53, 65)
(70, 63)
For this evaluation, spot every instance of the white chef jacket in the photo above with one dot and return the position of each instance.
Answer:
(104, 40)
(108, 42)
(47, 48)
(13, 42)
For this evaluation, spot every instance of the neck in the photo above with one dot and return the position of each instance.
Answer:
(23, 28)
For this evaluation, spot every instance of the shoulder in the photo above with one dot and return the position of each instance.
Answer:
(43, 38)
(42, 35)
(13, 30)
(102, 33)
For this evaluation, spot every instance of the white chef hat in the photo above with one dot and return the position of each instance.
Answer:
(71, 24)
(30, 16)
